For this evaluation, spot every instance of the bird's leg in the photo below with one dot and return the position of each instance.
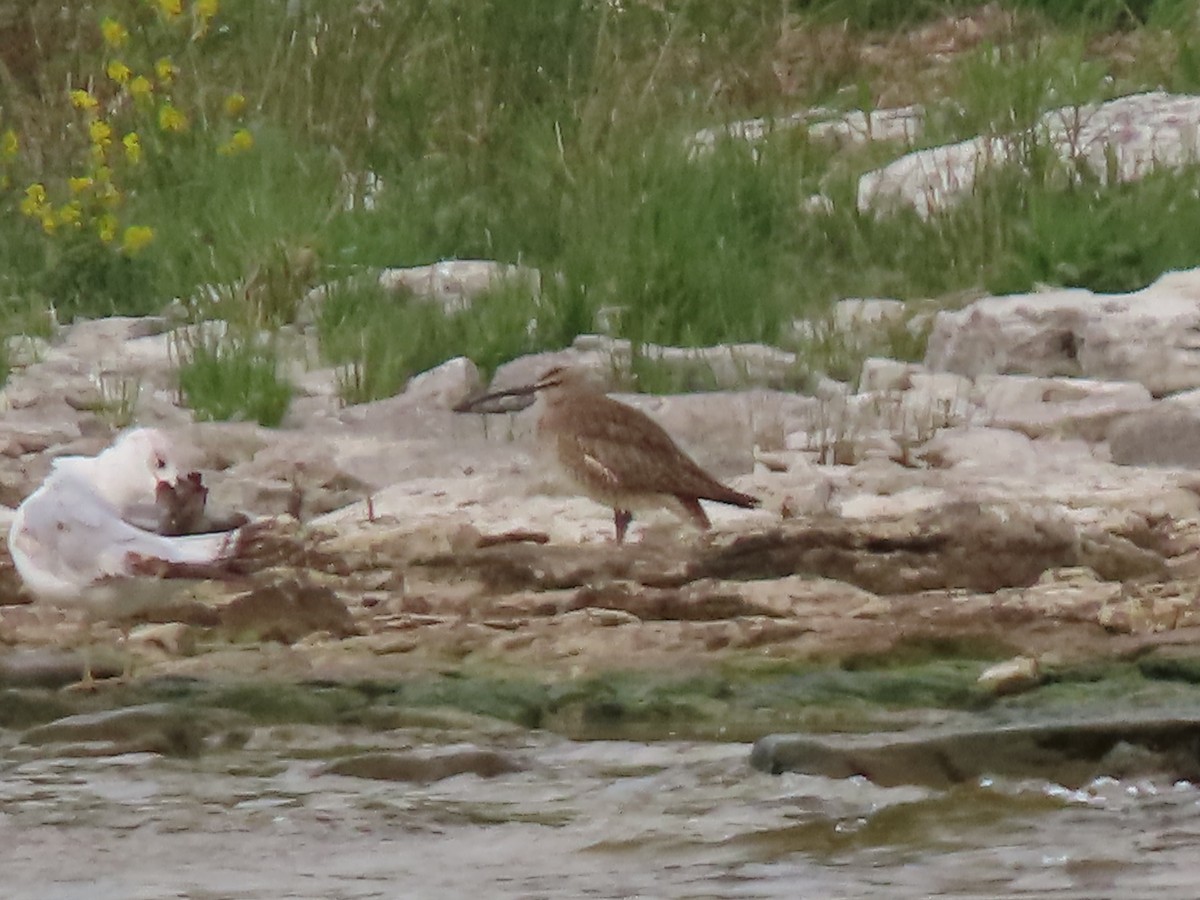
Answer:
(622, 518)
(127, 671)
(87, 682)
(695, 511)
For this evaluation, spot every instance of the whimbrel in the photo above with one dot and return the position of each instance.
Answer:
(615, 454)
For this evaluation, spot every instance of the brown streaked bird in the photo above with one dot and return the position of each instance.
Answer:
(613, 453)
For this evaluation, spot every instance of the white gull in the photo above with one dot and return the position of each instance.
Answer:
(72, 545)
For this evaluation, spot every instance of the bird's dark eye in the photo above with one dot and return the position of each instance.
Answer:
(159, 462)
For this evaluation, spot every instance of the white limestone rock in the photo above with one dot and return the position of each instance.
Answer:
(902, 124)
(446, 385)
(1033, 334)
(887, 423)
(1058, 407)
(452, 283)
(24, 350)
(863, 326)
(727, 366)
(856, 313)
(1121, 139)
(1166, 435)
(455, 283)
(983, 450)
(1147, 336)
(527, 369)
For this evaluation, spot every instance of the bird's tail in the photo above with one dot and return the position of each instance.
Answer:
(214, 555)
(732, 497)
(718, 493)
(203, 548)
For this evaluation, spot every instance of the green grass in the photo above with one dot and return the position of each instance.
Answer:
(381, 339)
(553, 135)
(233, 378)
(1039, 74)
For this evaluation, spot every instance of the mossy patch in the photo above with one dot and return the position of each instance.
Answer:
(1166, 668)
(278, 702)
(921, 649)
(741, 699)
(23, 708)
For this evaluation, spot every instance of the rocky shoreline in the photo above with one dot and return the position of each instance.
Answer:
(928, 516)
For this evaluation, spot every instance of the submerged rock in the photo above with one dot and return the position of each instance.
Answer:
(149, 728)
(1067, 753)
(426, 766)
(46, 667)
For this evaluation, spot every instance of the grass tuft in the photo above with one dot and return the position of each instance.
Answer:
(232, 378)
(381, 339)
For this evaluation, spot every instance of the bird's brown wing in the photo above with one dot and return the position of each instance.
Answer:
(620, 446)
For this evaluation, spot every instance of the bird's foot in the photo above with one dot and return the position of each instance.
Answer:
(95, 685)
(85, 685)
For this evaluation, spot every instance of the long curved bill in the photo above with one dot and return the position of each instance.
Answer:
(505, 401)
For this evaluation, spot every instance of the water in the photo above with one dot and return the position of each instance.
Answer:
(585, 819)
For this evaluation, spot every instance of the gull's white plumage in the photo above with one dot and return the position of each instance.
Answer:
(72, 544)
(67, 538)
(71, 534)
(128, 473)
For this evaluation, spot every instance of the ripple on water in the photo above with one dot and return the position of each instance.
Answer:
(598, 819)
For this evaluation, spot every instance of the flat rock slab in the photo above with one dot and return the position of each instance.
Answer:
(426, 766)
(47, 667)
(1067, 753)
(963, 545)
(286, 613)
(162, 728)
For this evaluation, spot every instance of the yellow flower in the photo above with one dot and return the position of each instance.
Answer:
(49, 223)
(140, 88)
(71, 213)
(108, 196)
(239, 142)
(136, 238)
(170, 8)
(106, 227)
(83, 100)
(9, 144)
(235, 104)
(203, 12)
(133, 147)
(100, 133)
(114, 32)
(118, 71)
(34, 199)
(171, 119)
(80, 183)
(165, 71)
